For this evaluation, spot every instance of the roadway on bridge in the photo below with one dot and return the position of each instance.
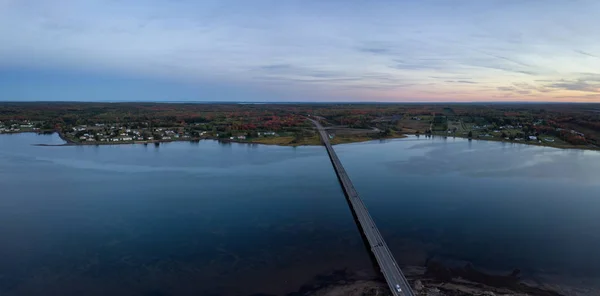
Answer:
(392, 273)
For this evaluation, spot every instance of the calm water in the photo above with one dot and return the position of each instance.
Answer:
(213, 219)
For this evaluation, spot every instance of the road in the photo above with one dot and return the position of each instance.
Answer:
(392, 273)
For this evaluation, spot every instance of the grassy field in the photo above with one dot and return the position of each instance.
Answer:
(315, 140)
(287, 141)
(343, 139)
(412, 126)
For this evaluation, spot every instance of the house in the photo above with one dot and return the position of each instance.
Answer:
(532, 138)
(127, 139)
(241, 137)
(230, 138)
(577, 133)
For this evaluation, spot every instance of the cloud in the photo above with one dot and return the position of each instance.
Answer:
(579, 85)
(423, 64)
(276, 67)
(589, 83)
(506, 88)
(461, 81)
(375, 50)
(525, 72)
(321, 48)
(522, 88)
(531, 87)
(587, 54)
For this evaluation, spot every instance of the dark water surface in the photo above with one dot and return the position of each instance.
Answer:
(233, 219)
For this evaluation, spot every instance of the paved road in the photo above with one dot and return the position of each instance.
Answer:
(392, 273)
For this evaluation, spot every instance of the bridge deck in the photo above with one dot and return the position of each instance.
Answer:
(392, 273)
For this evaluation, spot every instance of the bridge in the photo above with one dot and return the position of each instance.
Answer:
(394, 277)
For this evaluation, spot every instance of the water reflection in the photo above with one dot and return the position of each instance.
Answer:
(193, 218)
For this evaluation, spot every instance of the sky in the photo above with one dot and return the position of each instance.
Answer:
(300, 50)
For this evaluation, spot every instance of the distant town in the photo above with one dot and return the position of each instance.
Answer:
(556, 125)
(122, 134)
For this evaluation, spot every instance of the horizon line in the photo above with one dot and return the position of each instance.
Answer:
(308, 102)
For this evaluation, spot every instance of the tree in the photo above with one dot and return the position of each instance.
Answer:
(470, 134)
(298, 137)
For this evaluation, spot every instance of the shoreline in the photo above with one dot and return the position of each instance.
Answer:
(343, 141)
(435, 278)
(528, 143)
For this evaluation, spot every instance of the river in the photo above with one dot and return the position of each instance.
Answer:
(208, 218)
